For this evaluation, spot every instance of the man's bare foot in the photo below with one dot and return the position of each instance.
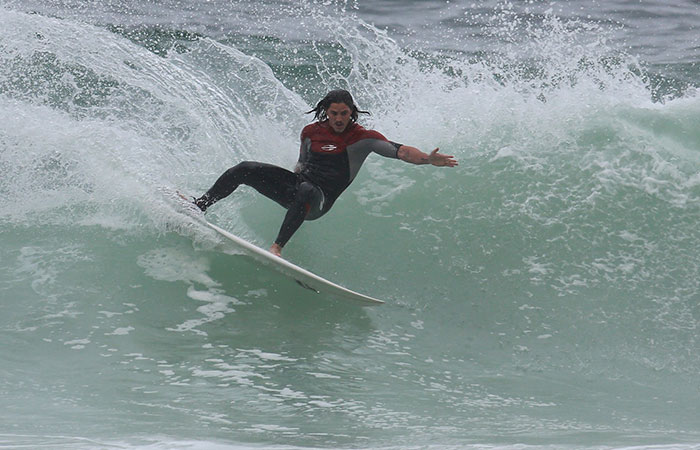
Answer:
(276, 250)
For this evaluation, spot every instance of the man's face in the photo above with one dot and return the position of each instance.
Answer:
(339, 115)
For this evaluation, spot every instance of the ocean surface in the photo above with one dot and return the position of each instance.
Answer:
(543, 294)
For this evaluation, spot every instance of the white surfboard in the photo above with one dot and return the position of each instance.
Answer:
(303, 277)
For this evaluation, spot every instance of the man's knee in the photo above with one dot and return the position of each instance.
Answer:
(241, 170)
(306, 192)
(244, 166)
(312, 200)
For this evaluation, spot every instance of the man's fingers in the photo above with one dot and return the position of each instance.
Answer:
(443, 160)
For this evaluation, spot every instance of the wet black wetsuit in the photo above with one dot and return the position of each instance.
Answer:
(328, 163)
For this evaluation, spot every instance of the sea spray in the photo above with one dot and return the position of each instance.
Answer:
(544, 292)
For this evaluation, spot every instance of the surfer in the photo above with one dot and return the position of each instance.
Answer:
(332, 150)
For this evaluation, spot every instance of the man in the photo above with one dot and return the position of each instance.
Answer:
(332, 150)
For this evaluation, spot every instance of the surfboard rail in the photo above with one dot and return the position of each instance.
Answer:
(303, 277)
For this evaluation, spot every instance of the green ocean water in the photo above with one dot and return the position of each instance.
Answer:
(544, 294)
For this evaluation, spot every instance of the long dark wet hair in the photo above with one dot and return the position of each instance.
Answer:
(336, 96)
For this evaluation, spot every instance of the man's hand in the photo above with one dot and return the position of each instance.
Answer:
(440, 160)
(415, 156)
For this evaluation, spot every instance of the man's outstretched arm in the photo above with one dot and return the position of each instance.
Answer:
(415, 156)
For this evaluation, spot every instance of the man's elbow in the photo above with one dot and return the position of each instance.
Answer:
(402, 153)
(406, 153)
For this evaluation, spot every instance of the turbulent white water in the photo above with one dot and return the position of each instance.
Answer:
(544, 293)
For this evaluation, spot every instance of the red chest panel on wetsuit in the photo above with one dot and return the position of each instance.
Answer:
(327, 144)
(325, 158)
(325, 140)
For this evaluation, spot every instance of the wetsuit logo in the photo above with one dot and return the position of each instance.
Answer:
(328, 148)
